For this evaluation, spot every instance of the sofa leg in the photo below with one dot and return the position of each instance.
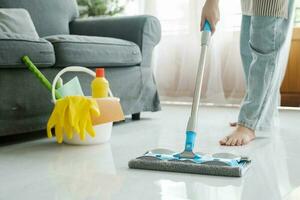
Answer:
(136, 116)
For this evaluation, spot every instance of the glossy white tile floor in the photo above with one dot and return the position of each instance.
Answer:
(43, 170)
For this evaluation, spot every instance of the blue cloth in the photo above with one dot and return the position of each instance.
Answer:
(71, 88)
(262, 39)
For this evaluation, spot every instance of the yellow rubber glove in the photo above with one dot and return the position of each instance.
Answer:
(72, 113)
(80, 111)
(57, 120)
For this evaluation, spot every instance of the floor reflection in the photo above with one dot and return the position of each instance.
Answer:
(267, 178)
(62, 172)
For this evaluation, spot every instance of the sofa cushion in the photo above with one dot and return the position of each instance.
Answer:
(14, 46)
(17, 21)
(92, 51)
(50, 17)
(18, 37)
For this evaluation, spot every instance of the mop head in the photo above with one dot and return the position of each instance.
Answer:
(222, 164)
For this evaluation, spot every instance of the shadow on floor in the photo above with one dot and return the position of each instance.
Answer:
(26, 137)
(20, 138)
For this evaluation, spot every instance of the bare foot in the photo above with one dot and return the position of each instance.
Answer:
(240, 136)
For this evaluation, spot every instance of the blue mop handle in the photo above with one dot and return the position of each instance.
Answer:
(191, 130)
(190, 141)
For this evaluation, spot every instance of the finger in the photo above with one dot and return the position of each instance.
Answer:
(212, 24)
(213, 27)
(202, 22)
(50, 125)
(72, 121)
(72, 110)
(59, 133)
(94, 108)
(76, 127)
(82, 129)
(95, 112)
(52, 119)
(63, 111)
(89, 128)
(68, 128)
(49, 132)
(73, 116)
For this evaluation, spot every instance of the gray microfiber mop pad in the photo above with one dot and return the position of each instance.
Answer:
(188, 167)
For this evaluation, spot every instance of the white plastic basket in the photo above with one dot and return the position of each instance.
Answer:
(103, 131)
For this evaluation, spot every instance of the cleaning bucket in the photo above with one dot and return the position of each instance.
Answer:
(103, 130)
(103, 135)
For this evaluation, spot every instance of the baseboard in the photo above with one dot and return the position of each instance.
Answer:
(290, 99)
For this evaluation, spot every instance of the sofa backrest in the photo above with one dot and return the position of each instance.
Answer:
(50, 17)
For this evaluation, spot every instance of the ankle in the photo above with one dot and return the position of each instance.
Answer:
(244, 128)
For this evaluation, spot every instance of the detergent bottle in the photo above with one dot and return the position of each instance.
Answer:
(100, 85)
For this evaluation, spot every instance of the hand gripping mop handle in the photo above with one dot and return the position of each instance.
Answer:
(191, 127)
(72, 69)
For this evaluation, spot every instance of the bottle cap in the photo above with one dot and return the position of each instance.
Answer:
(100, 72)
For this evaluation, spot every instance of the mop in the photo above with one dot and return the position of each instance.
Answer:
(219, 164)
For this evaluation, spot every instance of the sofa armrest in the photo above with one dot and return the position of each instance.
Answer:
(143, 30)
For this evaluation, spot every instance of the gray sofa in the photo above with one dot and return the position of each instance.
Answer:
(123, 45)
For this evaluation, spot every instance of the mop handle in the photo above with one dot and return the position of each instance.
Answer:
(205, 38)
(39, 75)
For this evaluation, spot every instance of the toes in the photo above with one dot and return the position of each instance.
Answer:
(240, 142)
(245, 141)
(237, 138)
(229, 141)
(223, 141)
(234, 142)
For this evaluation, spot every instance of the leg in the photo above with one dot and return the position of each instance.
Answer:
(246, 56)
(267, 35)
(245, 51)
(136, 116)
(268, 117)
